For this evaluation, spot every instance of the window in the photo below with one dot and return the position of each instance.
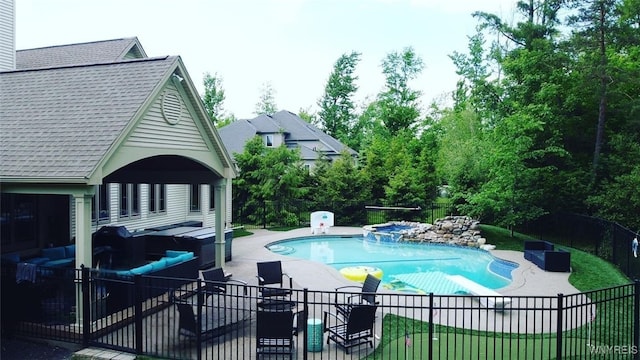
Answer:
(269, 140)
(194, 198)
(18, 223)
(129, 200)
(212, 197)
(157, 198)
(100, 205)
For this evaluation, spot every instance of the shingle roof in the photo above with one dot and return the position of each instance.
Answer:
(60, 122)
(297, 131)
(97, 52)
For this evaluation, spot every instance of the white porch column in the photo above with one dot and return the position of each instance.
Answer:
(220, 200)
(84, 252)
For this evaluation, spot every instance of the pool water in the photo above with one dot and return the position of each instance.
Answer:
(406, 266)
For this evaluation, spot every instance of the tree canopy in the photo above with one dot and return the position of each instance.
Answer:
(545, 118)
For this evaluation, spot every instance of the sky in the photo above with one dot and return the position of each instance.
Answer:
(290, 44)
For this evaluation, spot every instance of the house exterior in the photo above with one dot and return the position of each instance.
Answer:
(97, 134)
(286, 128)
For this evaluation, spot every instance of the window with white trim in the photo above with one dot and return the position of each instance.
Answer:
(100, 205)
(157, 198)
(194, 198)
(129, 201)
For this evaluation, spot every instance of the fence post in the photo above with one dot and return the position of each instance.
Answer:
(560, 309)
(137, 312)
(636, 319)
(200, 298)
(86, 306)
(305, 307)
(264, 214)
(430, 326)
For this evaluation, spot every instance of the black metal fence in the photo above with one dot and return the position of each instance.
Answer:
(192, 322)
(605, 239)
(269, 214)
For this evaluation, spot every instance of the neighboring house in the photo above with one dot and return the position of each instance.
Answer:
(98, 134)
(285, 128)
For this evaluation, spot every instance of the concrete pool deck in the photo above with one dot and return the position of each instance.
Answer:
(528, 279)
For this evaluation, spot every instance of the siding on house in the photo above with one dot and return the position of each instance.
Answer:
(155, 131)
(7, 38)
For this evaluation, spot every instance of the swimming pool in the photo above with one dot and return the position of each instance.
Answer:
(405, 266)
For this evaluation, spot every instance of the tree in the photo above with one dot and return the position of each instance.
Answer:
(269, 181)
(398, 103)
(213, 97)
(267, 103)
(595, 17)
(341, 186)
(307, 115)
(476, 88)
(336, 105)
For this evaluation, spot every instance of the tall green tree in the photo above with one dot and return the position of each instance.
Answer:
(267, 102)
(342, 187)
(337, 110)
(269, 181)
(596, 19)
(214, 97)
(399, 104)
(478, 87)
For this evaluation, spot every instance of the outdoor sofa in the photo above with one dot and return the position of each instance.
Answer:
(165, 274)
(546, 257)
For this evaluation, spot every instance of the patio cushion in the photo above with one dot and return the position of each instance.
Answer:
(175, 253)
(12, 258)
(158, 265)
(172, 260)
(142, 269)
(70, 251)
(55, 253)
(60, 262)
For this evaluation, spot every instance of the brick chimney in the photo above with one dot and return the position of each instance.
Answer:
(7, 35)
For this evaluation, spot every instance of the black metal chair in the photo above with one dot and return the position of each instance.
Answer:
(344, 303)
(355, 330)
(216, 280)
(270, 273)
(187, 322)
(274, 333)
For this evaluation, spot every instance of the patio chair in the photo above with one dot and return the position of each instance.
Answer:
(344, 303)
(187, 322)
(216, 280)
(355, 330)
(274, 333)
(270, 273)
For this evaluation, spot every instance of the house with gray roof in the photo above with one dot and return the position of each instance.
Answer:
(97, 134)
(284, 128)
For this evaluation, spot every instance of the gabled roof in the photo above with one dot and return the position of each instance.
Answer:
(96, 52)
(297, 132)
(60, 122)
